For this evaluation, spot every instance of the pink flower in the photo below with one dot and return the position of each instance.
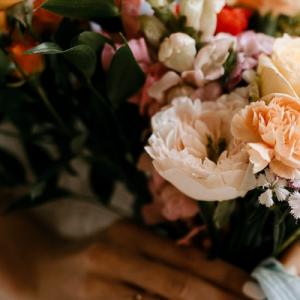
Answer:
(250, 46)
(209, 92)
(168, 203)
(130, 12)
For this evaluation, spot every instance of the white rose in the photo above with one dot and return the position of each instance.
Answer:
(178, 52)
(202, 15)
(280, 72)
(193, 149)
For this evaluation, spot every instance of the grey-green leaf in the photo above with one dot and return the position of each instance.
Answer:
(81, 56)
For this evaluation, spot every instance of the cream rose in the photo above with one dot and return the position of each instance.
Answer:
(280, 72)
(178, 52)
(271, 129)
(193, 149)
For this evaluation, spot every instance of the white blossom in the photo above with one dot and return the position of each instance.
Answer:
(268, 180)
(266, 198)
(294, 202)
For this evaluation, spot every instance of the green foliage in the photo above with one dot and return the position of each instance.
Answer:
(123, 69)
(229, 66)
(85, 9)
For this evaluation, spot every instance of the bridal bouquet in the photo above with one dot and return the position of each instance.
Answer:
(210, 88)
(222, 92)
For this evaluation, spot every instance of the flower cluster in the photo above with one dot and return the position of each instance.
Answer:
(227, 113)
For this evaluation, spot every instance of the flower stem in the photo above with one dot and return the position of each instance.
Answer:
(290, 241)
(40, 91)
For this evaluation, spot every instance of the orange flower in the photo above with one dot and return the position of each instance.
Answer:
(5, 4)
(3, 24)
(30, 64)
(271, 130)
(43, 20)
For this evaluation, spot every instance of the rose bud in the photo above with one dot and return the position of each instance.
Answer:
(178, 52)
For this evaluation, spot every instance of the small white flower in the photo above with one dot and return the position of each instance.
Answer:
(266, 198)
(281, 193)
(178, 52)
(294, 202)
(270, 181)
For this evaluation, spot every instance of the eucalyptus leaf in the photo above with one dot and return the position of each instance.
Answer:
(86, 9)
(125, 76)
(223, 213)
(82, 57)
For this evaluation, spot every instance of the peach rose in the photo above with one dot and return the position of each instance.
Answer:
(286, 7)
(5, 4)
(271, 129)
(3, 23)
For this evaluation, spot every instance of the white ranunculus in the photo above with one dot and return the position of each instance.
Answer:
(209, 62)
(192, 148)
(280, 72)
(201, 15)
(178, 52)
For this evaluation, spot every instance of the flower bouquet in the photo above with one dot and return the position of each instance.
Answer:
(211, 89)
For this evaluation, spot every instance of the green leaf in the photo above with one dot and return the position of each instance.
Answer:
(223, 213)
(86, 9)
(81, 56)
(125, 76)
(94, 40)
(229, 66)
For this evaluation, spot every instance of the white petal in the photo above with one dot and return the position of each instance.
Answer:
(281, 194)
(294, 202)
(266, 198)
